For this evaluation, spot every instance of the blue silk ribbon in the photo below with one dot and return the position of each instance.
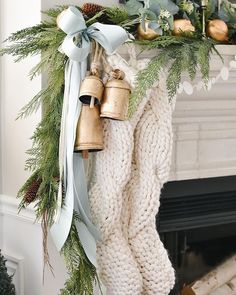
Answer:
(76, 46)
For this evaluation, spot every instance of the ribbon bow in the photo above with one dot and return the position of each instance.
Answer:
(76, 46)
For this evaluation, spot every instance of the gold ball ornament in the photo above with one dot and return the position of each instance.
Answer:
(147, 34)
(217, 30)
(182, 26)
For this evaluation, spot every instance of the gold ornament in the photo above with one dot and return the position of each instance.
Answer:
(91, 89)
(182, 25)
(217, 30)
(116, 97)
(89, 136)
(147, 34)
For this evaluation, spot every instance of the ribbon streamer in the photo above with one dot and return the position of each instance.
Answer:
(76, 46)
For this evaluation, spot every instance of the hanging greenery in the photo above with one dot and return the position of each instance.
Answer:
(186, 53)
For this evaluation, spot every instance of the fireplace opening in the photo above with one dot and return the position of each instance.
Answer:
(197, 224)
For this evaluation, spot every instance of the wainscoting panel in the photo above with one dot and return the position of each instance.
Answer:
(21, 244)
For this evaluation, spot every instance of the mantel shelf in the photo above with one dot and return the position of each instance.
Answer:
(224, 50)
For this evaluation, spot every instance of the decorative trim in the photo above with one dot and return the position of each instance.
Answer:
(15, 264)
(15, 267)
(223, 75)
(9, 206)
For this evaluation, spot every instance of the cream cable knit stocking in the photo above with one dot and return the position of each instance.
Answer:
(152, 156)
(112, 168)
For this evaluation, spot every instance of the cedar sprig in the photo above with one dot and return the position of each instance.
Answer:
(82, 274)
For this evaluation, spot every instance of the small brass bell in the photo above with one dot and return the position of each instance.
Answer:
(116, 98)
(89, 136)
(91, 89)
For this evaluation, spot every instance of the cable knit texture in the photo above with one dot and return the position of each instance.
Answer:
(124, 194)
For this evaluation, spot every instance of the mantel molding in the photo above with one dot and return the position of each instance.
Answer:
(224, 50)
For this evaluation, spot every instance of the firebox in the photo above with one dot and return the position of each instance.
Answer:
(197, 224)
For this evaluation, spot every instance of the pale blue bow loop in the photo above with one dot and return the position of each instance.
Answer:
(71, 21)
(74, 52)
(110, 37)
(76, 46)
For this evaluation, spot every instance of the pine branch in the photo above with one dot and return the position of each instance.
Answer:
(82, 272)
(179, 56)
(146, 79)
(204, 60)
(117, 15)
(54, 12)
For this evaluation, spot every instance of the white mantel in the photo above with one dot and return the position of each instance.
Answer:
(204, 127)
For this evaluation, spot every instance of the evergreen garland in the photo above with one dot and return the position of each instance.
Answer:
(186, 54)
(6, 285)
(181, 55)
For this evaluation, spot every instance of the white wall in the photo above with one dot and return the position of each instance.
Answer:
(17, 233)
(20, 237)
(15, 91)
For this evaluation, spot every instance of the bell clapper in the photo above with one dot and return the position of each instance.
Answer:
(92, 102)
(85, 154)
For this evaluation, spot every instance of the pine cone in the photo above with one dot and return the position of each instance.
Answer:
(91, 9)
(31, 193)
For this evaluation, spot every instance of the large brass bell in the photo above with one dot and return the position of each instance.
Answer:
(89, 136)
(116, 98)
(91, 89)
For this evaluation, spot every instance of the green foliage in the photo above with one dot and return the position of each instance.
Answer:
(6, 285)
(211, 8)
(179, 55)
(116, 14)
(146, 79)
(228, 12)
(133, 6)
(55, 11)
(82, 274)
(119, 16)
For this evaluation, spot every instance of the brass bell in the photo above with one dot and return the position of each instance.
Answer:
(89, 135)
(116, 99)
(91, 89)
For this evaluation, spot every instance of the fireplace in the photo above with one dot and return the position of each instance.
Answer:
(197, 222)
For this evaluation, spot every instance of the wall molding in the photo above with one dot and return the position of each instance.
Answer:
(15, 267)
(15, 227)
(9, 207)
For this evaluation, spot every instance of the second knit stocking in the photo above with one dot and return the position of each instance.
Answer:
(150, 169)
